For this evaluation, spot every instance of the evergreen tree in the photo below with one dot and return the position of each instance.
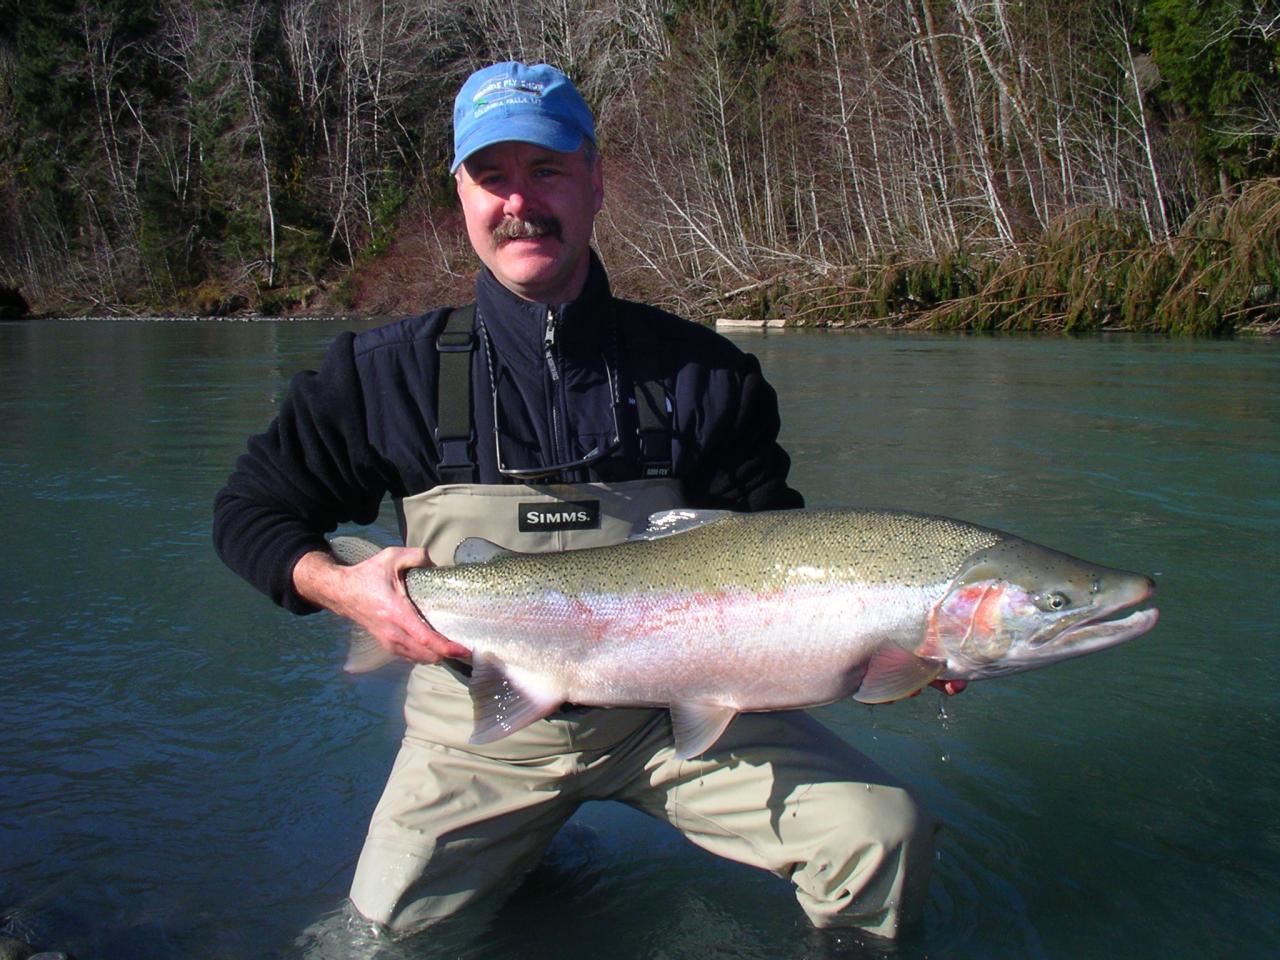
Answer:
(1221, 61)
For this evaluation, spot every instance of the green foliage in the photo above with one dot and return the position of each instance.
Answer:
(344, 293)
(160, 148)
(906, 285)
(748, 29)
(391, 199)
(1091, 271)
(1223, 71)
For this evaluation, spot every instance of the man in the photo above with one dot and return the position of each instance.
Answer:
(550, 391)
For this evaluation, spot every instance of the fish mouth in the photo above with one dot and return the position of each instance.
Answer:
(1099, 629)
(1099, 634)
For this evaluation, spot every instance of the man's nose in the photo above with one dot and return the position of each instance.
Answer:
(517, 200)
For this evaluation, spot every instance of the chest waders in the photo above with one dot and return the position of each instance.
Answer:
(461, 824)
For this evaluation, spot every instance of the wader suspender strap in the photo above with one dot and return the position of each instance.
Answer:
(454, 434)
(655, 429)
(652, 402)
(454, 345)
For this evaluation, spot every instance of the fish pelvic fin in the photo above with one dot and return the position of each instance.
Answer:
(894, 673)
(697, 726)
(501, 704)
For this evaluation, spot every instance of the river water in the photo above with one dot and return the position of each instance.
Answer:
(186, 773)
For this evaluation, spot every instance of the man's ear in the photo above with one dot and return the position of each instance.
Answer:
(597, 184)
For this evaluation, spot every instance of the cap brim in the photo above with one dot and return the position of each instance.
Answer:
(541, 131)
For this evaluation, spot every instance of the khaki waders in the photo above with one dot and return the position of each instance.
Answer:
(458, 823)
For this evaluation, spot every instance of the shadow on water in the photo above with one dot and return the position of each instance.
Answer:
(186, 772)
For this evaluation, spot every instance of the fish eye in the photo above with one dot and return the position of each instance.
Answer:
(1052, 602)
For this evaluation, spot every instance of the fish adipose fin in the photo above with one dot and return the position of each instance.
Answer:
(501, 705)
(697, 726)
(894, 673)
(670, 522)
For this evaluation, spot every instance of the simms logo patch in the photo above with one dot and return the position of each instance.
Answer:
(566, 515)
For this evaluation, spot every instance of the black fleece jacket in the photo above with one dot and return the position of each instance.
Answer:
(363, 426)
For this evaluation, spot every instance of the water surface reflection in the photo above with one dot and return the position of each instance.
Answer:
(185, 772)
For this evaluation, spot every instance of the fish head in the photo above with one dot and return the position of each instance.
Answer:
(1016, 606)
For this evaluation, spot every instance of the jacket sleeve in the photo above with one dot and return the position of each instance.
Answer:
(742, 466)
(311, 469)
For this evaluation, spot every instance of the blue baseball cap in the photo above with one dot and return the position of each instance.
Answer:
(514, 101)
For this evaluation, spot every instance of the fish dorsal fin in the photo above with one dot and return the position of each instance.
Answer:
(697, 726)
(681, 520)
(501, 704)
(479, 550)
(894, 673)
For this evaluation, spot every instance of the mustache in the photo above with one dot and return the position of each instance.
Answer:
(533, 227)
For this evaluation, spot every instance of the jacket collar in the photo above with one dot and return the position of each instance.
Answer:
(516, 324)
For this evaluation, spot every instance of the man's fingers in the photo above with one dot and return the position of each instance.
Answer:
(422, 642)
(425, 636)
(380, 601)
(416, 652)
(431, 653)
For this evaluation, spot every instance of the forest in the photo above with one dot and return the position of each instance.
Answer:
(974, 164)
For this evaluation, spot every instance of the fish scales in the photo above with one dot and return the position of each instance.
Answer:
(703, 613)
(715, 614)
(755, 551)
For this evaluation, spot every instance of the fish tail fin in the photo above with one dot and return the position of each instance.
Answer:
(696, 726)
(349, 551)
(501, 704)
(364, 653)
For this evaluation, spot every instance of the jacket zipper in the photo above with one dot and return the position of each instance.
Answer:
(549, 353)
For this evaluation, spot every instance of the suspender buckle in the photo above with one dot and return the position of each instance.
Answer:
(654, 428)
(455, 341)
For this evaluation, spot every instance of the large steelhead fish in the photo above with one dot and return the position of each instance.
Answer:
(712, 614)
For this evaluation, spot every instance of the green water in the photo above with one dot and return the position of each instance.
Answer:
(185, 772)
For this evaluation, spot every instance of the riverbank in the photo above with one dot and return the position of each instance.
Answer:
(1094, 269)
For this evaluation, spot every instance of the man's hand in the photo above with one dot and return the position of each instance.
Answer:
(372, 594)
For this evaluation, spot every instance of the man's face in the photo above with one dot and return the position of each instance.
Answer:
(529, 212)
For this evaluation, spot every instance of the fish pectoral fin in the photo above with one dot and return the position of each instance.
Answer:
(697, 726)
(365, 653)
(501, 705)
(479, 550)
(895, 673)
(669, 522)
